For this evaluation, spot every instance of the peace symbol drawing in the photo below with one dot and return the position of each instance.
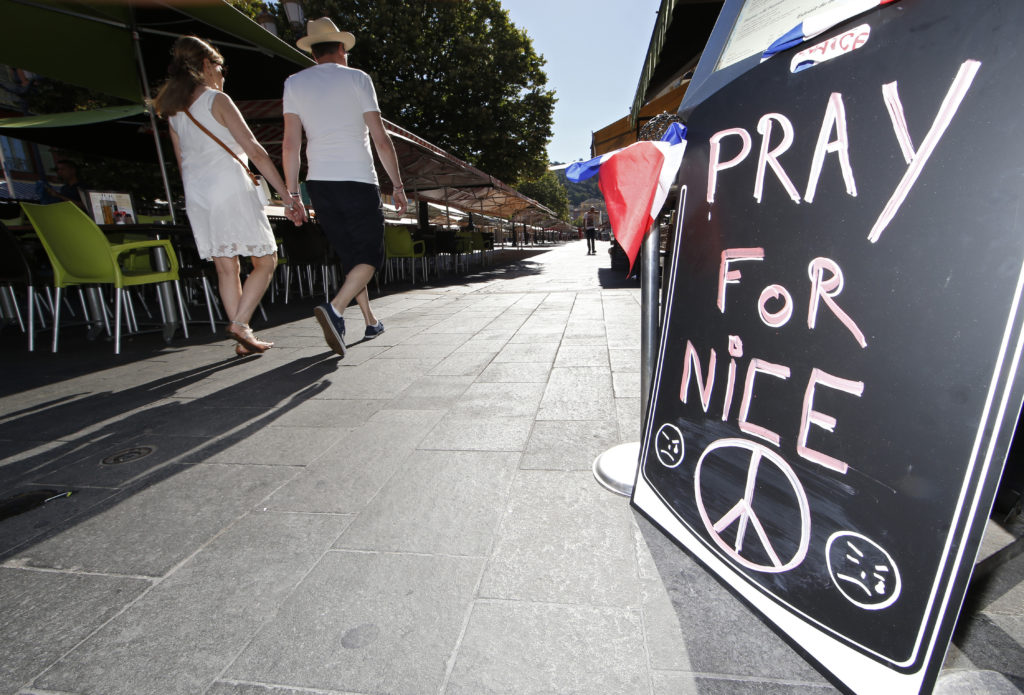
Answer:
(743, 514)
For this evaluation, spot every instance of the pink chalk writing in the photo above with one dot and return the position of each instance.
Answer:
(778, 318)
(704, 389)
(771, 158)
(826, 290)
(755, 366)
(835, 119)
(727, 276)
(809, 416)
(715, 165)
(954, 96)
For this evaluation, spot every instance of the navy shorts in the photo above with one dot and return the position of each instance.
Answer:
(352, 216)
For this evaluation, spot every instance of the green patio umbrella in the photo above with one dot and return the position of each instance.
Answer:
(122, 49)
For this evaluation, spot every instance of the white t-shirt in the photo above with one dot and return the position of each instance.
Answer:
(331, 99)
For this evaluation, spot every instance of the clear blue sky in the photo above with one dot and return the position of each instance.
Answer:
(595, 50)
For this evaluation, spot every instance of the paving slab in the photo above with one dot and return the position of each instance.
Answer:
(432, 392)
(479, 433)
(166, 641)
(568, 445)
(543, 648)
(511, 399)
(441, 503)
(345, 477)
(578, 393)
(531, 372)
(45, 614)
(564, 539)
(366, 623)
(148, 531)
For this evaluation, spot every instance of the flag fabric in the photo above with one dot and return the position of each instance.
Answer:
(820, 22)
(635, 182)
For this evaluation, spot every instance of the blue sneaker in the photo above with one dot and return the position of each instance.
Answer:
(374, 330)
(333, 327)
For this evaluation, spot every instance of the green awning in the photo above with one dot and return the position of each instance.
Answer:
(72, 43)
(72, 118)
(90, 44)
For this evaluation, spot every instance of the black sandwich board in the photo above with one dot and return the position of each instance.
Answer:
(837, 382)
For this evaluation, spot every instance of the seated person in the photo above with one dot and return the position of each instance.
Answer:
(71, 189)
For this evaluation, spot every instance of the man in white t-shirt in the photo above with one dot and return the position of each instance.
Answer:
(337, 107)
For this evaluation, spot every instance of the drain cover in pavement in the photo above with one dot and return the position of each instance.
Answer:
(128, 455)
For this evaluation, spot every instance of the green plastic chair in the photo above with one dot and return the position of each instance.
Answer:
(81, 255)
(398, 244)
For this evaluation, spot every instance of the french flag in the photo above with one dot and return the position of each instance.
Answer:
(635, 182)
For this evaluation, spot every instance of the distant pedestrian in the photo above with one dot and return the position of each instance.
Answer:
(337, 107)
(590, 221)
(210, 140)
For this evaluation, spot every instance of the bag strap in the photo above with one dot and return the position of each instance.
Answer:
(252, 176)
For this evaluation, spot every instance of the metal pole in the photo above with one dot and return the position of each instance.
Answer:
(649, 312)
(152, 123)
(616, 468)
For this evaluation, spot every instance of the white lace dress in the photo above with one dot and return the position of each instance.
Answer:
(223, 207)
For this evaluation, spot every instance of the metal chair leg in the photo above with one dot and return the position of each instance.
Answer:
(117, 320)
(181, 308)
(209, 303)
(56, 318)
(31, 319)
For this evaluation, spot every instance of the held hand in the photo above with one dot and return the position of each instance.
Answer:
(401, 202)
(296, 213)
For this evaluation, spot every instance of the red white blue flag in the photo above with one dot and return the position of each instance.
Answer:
(820, 22)
(635, 182)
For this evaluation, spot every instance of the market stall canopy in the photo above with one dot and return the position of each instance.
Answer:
(428, 172)
(92, 44)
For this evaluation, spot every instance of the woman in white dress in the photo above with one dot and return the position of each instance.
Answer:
(223, 206)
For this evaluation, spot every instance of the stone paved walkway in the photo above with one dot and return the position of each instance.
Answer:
(420, 517)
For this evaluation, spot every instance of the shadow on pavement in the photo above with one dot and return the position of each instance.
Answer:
(107, 446)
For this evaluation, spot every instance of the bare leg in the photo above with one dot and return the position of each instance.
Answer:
(228, 283)
(354, 286)
(240, 302)
(363, 300)
(255, 285)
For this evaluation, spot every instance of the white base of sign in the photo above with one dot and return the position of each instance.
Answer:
(616, 468)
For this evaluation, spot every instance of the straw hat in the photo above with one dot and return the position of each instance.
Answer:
(323, 30)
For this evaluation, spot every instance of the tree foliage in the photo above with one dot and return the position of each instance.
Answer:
(457, 73)
(548, 190)
(579, 192)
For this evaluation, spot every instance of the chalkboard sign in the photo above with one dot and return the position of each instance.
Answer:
(837, 383)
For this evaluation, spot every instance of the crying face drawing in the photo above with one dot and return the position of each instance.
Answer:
(862, 570)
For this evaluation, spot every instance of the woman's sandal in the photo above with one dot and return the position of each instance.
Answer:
(243, 351)
(246, 338)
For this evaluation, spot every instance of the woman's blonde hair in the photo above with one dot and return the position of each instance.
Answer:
(184, 74)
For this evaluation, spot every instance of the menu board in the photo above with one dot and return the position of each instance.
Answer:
(837, 381)
(111, 207)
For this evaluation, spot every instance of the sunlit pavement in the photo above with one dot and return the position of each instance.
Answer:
(420, 517)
